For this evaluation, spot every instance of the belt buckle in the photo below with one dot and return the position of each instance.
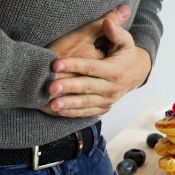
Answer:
(36, 154)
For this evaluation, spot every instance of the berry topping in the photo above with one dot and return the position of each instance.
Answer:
(137, 155)
(169, 113)
(126, 167)
(174, 107)
(153, 139)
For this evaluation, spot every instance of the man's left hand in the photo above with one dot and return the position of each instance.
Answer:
(103, 82)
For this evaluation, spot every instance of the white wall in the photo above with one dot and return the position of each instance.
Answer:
(160, 90)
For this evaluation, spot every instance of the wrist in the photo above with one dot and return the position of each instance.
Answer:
(146, 63)
(145, 56)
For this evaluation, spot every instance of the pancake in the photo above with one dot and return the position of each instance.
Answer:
(171, 138)
(166, 125)
(164, 147)
(167, 163)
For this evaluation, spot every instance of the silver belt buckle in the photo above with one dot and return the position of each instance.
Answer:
(36, 154)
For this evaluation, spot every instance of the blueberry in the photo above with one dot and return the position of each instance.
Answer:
(136, 155)
(169, 113)
(126, 167)
(153, 139)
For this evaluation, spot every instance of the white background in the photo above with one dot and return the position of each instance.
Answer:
(160, 90)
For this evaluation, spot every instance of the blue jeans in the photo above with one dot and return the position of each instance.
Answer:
(95, 162)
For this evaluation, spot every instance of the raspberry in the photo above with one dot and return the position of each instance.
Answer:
(174, 107)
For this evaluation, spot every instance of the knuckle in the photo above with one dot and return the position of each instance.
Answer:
(86, 101)
(110, 101)
(116, 75)
(116, 96)
(113, 90)
(91, 69)
(74, 67)
(88, 89)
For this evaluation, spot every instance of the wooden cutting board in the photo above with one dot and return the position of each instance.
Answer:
(134, 136)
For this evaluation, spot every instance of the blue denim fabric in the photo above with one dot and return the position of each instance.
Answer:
(96, 162)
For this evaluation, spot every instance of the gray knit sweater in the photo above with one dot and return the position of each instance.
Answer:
(26, 28)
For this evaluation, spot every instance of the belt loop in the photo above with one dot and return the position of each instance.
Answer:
(95, 141)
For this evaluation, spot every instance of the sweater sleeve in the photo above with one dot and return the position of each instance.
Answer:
(147, 28)
(25, 74)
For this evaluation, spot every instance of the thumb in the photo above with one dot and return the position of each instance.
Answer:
(117, 35)
(123, 13)
(118, 15)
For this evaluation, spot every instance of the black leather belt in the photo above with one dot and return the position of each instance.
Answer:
(43, 156)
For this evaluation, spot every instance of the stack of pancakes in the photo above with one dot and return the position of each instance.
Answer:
(166, 146)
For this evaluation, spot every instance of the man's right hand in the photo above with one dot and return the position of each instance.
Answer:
(80, 43)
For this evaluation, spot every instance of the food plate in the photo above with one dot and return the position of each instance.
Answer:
(134, 136)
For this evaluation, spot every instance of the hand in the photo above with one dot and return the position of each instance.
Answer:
(104, 81)
(80, 43)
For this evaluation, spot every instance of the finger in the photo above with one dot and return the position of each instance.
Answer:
(65, 75)
(118, 15)
(124, 12)
(47, 109)
(82, 84)
(87, 112)
(80, 101)
(117, 34)
(89, 67)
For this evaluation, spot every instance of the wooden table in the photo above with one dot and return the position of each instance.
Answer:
(134, 136)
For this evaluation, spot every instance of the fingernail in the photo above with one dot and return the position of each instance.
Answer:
(61, 67)
(123, 11)
(60, 104)
(60, 89)
(54, 107)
